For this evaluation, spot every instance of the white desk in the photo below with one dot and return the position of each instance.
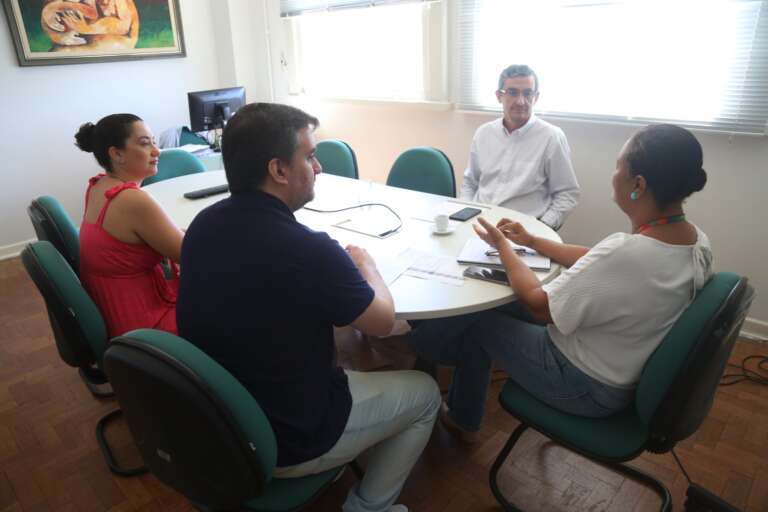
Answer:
(415, 298)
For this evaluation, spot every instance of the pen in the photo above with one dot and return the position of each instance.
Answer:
(495, 252)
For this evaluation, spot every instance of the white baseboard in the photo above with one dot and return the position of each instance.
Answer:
(755, 329)
(13, 250)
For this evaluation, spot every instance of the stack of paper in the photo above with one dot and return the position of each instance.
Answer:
(196, 149)
(477, 252)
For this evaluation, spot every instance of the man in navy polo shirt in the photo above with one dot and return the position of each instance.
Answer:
(260, 294)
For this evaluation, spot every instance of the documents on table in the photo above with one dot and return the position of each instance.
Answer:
(477, 252)
(392, 268)
(429, 266)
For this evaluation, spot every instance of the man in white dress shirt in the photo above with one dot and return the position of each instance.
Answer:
(520, 161)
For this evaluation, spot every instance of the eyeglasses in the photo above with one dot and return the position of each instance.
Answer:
(528, 94)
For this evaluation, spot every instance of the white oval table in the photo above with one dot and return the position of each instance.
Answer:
(417, 295)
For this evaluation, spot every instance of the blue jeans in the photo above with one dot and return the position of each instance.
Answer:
(522, 349)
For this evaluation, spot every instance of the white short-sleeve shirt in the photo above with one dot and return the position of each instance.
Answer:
(614, 306)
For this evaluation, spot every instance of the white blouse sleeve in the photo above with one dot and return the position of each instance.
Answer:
(580, 295)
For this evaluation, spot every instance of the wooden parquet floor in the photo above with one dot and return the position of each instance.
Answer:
(49, 459)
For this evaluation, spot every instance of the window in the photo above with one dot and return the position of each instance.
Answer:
(376, 52)
(701, 64)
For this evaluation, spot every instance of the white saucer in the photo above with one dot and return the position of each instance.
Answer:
(448, 231)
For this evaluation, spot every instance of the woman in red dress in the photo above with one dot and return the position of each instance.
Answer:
(125, 234)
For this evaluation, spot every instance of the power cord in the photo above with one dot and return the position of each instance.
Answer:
(747, 374)
(381, 235)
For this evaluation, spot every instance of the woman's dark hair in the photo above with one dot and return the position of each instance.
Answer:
(112, 130)
(669, 158)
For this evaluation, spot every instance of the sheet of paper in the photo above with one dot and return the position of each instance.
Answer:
(392, 268)
(195, 148)
(429, 266)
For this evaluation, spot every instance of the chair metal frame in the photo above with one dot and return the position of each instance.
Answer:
(66, 326)
(671, 421)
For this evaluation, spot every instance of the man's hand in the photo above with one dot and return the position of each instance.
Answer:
(515, 232)
(360, 257)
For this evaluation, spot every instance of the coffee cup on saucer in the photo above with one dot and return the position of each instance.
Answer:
(442, 227)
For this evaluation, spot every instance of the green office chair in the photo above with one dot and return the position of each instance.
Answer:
(198, 429)
(174, 163)
(674, 395)
(187, 136)
(424, 169)
(77, 325)
(52, 223)
(337, 158)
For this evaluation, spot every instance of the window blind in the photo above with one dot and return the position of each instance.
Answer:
(297, 7)
(698, 64)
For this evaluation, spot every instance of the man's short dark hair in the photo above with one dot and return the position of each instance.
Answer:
(256, 134)
(516, 70)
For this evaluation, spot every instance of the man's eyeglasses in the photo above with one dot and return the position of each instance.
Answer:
(527, 94)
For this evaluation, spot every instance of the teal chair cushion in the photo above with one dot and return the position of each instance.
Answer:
(621, 435)
(423, 169)
(668, 359)
(337, 158)
(247, 413)
(187, 136)
(71, 295)
(174, 163)
(67, 229)
(616, 437)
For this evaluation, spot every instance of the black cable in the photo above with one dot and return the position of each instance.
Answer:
(382, 235)
(681, 466)
(747, 374)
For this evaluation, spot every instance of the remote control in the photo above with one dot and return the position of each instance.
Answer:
(205, 192)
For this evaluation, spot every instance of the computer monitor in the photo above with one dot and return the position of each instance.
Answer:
(212, 109)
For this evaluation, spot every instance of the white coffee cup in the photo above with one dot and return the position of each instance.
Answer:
(441, 223)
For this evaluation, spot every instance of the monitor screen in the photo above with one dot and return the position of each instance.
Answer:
(212, 109)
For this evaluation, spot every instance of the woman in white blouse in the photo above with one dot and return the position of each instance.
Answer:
(580, 342)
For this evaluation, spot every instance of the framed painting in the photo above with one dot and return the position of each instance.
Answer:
(80, 31)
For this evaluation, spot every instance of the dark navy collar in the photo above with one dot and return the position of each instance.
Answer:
(262, 200)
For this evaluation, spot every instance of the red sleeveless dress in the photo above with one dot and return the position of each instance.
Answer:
(125, 280)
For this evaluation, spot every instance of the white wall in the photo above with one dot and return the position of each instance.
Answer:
(43, 107)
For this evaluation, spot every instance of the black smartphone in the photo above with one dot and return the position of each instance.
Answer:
(487, 274)
(465, 214)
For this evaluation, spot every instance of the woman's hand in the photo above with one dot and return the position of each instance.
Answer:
(515, 232)
(489, 233)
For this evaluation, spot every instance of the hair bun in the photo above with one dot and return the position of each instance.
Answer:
(84, 137)
(700, 180)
